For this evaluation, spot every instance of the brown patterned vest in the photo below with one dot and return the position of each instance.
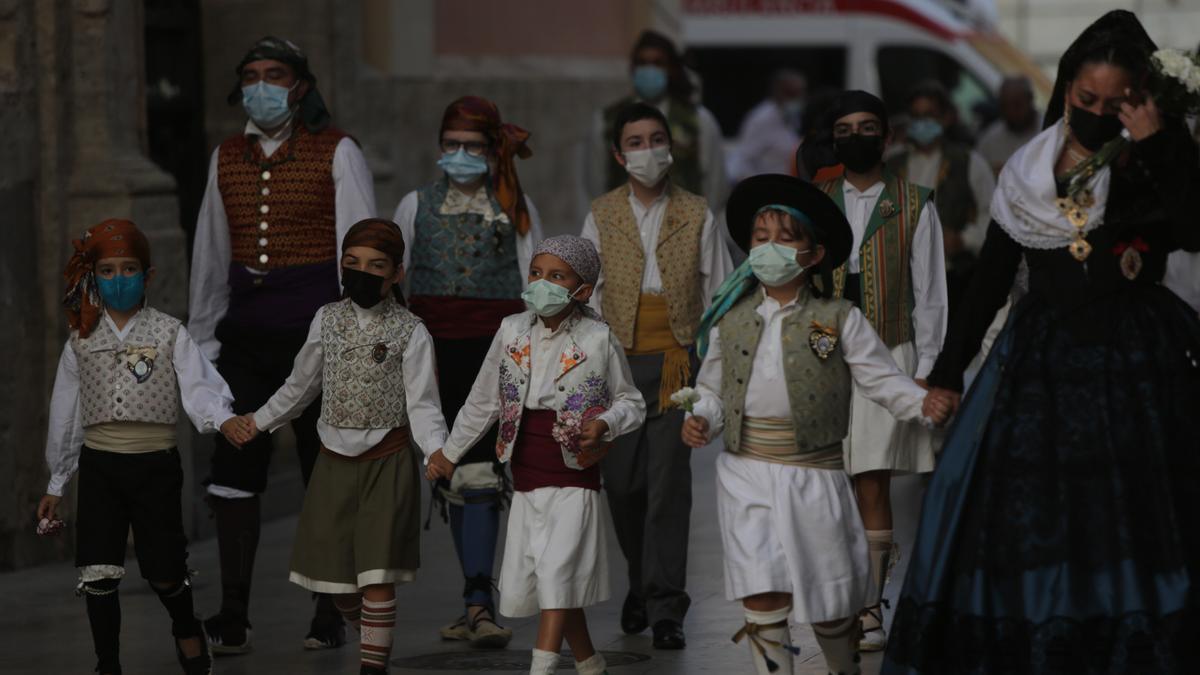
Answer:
(677, 253)
(280, 208)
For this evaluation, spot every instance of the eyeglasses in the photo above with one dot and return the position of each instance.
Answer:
(473, 148)
(869, 128)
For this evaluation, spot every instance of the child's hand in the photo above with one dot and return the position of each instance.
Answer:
(940, 405)
(591, 436)
(48, 508)
(439, 467)
(239, 430)
(695, 432)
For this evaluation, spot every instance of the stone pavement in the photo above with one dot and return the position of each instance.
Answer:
(43, 628)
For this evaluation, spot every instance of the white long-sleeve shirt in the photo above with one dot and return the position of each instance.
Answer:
(923, 169)
(875, 373)
(715, 263)
(927, 265)
(766, 143)
(426, 423)
(406, 218)
(208, 297)
(482, 407)
(597, 152)
(205, 397)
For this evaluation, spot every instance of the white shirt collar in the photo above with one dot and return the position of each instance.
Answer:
(771, 305)
(253, 129)
(873, 191)
(637, 203)
(124, 332)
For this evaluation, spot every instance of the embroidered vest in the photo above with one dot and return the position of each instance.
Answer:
(818, 389)
(684, 121)
(952, 195)
(280, 208)
(677, 254)
(462, 255)
(582, 384)
(885, 257)
(130, 381)
(363, 376)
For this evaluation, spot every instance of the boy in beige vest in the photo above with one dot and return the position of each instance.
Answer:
(780, 361)
(124, 374)
(662, 259)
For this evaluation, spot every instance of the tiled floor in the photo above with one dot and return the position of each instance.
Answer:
(43, 628)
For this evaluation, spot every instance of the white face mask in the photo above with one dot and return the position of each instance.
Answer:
(648, 166)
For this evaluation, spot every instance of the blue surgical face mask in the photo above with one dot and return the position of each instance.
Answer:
(649, 82)
(463, 167)
(122, 292)
(547, 299)
(267, 104)
(775, 264)
(924, 131)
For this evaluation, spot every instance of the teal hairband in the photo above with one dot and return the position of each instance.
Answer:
(793, 212)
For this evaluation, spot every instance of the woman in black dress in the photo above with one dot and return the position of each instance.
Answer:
(1061, 530)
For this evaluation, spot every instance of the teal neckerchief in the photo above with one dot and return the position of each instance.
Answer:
(735, 287)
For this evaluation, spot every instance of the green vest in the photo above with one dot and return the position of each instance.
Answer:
(818, 389)
(685, 146)
(885, 256)
(952, 195)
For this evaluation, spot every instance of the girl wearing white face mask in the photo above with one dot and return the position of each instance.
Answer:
(780, 361)
(556, 381)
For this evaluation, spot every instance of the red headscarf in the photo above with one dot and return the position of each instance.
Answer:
(378, 233)
(474, 113)
(110, 239)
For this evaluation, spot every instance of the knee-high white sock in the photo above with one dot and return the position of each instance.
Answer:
(839, 643)
(544, 662)
(591, 666)
(879, 548)
(375, 642)
(770, 641)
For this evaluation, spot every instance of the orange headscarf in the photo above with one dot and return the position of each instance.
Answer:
(380, 234)
(112, 238)
(474, 113)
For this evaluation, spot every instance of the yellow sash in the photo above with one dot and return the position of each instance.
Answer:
(652, 335)
(773, 439)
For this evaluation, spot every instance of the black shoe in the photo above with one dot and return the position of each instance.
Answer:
(197, 665)
(364, 669)
(325, 632)
(633, 615)
(668, 634)
(227, 634)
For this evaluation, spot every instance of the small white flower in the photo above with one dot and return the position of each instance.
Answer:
(686, 398)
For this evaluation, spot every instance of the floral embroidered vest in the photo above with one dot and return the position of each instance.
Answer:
(462, 255)
(624, 260)
(363, 375)
(581, 384)
(130, 381)
(885, 256)
(818, 389)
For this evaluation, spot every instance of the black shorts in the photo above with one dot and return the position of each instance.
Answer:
(118, 491)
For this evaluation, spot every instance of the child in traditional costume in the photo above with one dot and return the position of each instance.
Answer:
(124, 374)
(781, 360)
(372, 360)
(557, 380)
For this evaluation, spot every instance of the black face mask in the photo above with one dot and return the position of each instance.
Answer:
(363, 288)
(1092, 130)
(859, 153)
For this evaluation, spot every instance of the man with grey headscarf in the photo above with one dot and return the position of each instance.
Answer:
(281, 195)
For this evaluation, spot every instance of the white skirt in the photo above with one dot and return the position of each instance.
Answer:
(791, 529)
(555, 553)
(878, 441)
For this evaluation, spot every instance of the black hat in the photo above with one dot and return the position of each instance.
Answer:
(826, 220)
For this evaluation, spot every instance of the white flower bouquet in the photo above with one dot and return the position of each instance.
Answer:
(686, 398)
(1174, 81)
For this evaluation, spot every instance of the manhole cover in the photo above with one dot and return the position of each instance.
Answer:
(493, 661)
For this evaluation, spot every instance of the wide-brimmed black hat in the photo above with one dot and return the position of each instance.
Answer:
(828, 224)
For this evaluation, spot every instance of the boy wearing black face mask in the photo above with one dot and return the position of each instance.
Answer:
(372, 362)
(896, 274)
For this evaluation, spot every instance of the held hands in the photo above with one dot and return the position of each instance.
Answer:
(940, 405)
(439, 467)
(1142, 120)
(591, 436)
(239, 430)
(695, 432)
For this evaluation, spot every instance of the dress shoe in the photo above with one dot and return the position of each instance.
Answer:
(668, 634)
(633, 615)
